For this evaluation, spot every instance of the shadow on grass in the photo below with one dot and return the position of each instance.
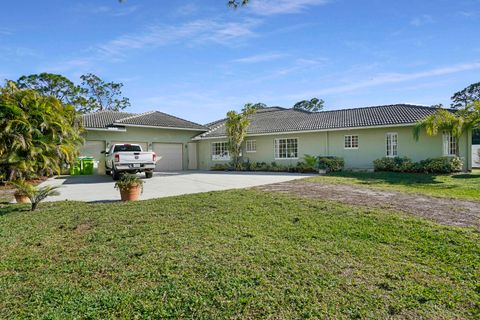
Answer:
(8, 208)
(467, 176)
(394, 178)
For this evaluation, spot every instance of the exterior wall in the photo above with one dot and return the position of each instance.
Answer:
(371, 147)
(147, 135)
(476, 156)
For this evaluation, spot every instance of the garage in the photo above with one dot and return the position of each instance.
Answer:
(94, 149)
(170, 156)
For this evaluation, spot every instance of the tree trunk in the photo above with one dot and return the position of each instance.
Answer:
(34, 206)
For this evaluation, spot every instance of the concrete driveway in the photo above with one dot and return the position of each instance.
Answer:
(101, 188)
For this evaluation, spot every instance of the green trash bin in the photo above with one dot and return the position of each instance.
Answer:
(76, 168)
(87, 165)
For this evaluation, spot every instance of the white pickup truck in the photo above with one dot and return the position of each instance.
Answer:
(122, 158)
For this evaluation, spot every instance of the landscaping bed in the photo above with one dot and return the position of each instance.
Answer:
(233, 254)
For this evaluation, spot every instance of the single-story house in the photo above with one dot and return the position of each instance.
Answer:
(359, 135)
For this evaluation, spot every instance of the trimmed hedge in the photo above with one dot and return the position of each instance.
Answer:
(431, 165)
(331, 164)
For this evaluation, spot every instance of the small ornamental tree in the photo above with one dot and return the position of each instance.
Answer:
(236, 129)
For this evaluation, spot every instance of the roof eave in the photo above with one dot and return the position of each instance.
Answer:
(311, 131)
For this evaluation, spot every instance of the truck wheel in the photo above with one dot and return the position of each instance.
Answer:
(115, 175)
(148, 174)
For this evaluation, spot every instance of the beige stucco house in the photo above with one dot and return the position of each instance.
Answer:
(277, 134)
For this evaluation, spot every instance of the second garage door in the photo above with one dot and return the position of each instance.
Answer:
(170, 156)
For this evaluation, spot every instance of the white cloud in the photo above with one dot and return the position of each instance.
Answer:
(271, 7)
(422, 20)
(387, 78)
(196, 32)
(263, 57)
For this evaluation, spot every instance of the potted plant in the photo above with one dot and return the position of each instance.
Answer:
(322, 168)
(22, 190)
(130, 187)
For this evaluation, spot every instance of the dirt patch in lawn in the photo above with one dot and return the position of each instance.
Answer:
(443, 210)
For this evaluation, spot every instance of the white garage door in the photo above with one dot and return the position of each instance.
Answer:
(93, 149)
(169, 156)
(144, 145)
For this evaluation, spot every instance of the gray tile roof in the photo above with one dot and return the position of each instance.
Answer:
(103, 119)
(290, 120)
(159, 119)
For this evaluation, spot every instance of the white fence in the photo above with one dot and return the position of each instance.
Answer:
(476, 156)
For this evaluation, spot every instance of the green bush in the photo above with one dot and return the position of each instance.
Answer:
(220, 167)
(396, 164)
(331, 164)
(441, 165)
(405, 164)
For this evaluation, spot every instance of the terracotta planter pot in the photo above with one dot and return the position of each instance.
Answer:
(131, 194)
(20, 198)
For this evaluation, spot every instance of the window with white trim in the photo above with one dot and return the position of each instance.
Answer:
(392, 144)
(220, 151)
(449, 144)
(286, 148)
(251, 146)
(351, 142)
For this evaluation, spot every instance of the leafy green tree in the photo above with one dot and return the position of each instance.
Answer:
(93, 95)
(236, 128)
(457, 123)
(54, 85)
(466, 96)
(38, 134)
(312, 105)
(236, 3)
(101, 95)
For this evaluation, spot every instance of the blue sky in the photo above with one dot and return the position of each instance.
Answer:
(198, 59)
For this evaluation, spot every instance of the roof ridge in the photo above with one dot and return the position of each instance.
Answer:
(379, 106)
(170, 115)
(135, 116)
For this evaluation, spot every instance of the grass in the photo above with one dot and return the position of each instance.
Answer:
(459, 186)
(233, 254)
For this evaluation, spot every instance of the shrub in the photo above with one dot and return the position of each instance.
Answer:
(440, 165)
(331, 164)
(220, 167)
(396, 164)
(405, 164)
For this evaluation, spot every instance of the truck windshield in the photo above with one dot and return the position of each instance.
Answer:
(127, 147)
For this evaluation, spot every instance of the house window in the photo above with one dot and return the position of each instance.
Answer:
(286, 148)
(220, 151)
(251, 146)
(392, 144)
(449, 144)
(351, 142)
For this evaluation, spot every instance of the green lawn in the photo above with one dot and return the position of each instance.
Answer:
(233, 254)
(460, 186)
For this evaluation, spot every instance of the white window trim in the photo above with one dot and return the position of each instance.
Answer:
(246, 146)
(218, 158)
(351, 135)
(386, 137)
(446, 144)
(275, 143)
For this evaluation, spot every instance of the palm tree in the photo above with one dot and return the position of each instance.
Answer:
(38, 134)
(455, 122)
